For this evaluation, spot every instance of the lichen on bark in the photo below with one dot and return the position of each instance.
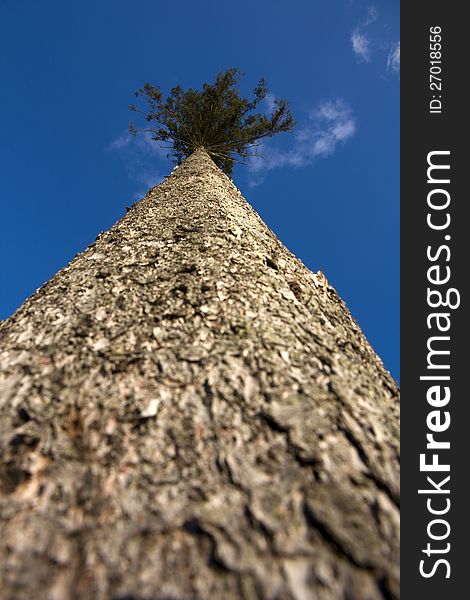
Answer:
(187, 412)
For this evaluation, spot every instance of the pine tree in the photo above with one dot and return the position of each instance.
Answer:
(216, 118)
(187, 412)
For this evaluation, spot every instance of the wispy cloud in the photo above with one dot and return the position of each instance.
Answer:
(393, 60)
(120, 142)
(142, 142)
(148, 178)
(140, 154)
(270, 102)
(368, 43)
(372, 16)
(360, 39)
(329, 124)
(361, 45)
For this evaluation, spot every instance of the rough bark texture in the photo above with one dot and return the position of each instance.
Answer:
(187, 413)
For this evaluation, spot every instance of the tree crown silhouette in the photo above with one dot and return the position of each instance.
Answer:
(216, 118)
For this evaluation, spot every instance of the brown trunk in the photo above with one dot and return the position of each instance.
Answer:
(188, 413)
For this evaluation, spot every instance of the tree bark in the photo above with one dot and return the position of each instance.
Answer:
(187, 413)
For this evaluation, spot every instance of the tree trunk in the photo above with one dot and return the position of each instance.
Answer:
(188, 413)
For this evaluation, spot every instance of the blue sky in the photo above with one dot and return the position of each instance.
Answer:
(330, 189)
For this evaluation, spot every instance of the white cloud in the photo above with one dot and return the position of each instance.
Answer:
(270, 102)
(367, 40)
(149, 178)
(360, 40)
(142, 142)
(121, 141)
(331, 123)
(361, 45)
(372, 16)
(140, 154)
(393, 60)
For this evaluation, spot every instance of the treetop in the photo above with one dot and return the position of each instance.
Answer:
(215, 118)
